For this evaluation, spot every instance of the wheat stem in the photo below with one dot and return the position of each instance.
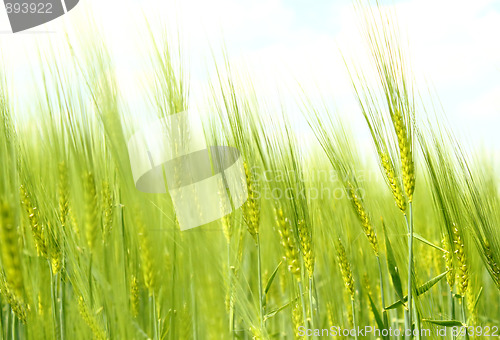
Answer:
(8, 322)
(155, 328)
(53, 294)
(62, 314)
(464, 315)
(409, 224)
(259, 271)
(311, 307)
(174, 261)
(90, 277)
(193, 297)
(230, 291)
(417, 321)
(382, 295)
(304, 313)
(354, 320)
(381, 282)
(13, 334)
(451, 306)
(1, 318)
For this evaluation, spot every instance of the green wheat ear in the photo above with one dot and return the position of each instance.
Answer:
(345, 269)
(12, 285)
(55, 252)
(363, 217)
(145, 253)
(107, 208)
(463, 266)
(90, 320)
(134, 296)
(393, 181)
(20, 309)
(448, 257)
(390, 116)
(36, 227)
(40, 305)
(251, 208)
(405, 153)
(288, 242)
(297, 318)
(227, 227)
(305, 238)
(492, 263)
(91, 206)
(63, 192)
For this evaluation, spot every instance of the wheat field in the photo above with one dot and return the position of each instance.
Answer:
(333, 237)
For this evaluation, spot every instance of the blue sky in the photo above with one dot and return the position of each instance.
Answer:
(454, 49)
